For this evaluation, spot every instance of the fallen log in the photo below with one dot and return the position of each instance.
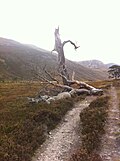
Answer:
(64, 95)
(82, 85)
(78, 92)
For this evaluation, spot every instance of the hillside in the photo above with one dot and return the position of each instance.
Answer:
(95, 64)
(20, 61)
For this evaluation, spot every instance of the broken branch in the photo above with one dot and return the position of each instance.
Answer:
(71, 43)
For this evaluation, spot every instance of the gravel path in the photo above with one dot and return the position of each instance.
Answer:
(64, 138)
(111, 148)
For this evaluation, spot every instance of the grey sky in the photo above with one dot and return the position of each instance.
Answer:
(93, 24)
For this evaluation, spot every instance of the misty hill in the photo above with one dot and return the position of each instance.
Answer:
(110, 64)
(95, 64)
(20, 61)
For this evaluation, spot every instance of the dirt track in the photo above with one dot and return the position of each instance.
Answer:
(64, 138)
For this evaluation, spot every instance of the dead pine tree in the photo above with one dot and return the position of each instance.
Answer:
(59, 48)
(62, 70)
(68, 85)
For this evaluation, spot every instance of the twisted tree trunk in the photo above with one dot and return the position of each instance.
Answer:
(82, 87)
(63, 70)
(61, 57)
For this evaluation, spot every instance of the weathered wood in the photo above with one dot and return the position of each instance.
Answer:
(68, 85)
(61, 57)
(78, 92)
(71, 43)
(51, 77)
(73, 76)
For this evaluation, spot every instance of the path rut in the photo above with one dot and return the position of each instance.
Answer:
(110, 148)
(64, 138)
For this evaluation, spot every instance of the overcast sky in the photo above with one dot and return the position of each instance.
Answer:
(92, 24)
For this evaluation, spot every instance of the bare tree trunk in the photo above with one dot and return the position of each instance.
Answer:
(61, 58)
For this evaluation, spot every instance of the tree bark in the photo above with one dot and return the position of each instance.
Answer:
(61, 57)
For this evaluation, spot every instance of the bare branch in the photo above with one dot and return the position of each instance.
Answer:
(52, 78)
(36, 75)
(73, 76)
(53, 50)
(71, 43)
(68, 82)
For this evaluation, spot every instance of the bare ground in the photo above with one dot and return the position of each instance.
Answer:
(110, 146)
(64, 138)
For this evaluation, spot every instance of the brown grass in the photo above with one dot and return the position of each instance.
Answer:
(93, 119)
(82, 155)
(101, 84)
(116, 83)
(24, 126)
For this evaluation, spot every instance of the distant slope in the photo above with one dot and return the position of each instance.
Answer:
(19, 61)
(95, 64)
